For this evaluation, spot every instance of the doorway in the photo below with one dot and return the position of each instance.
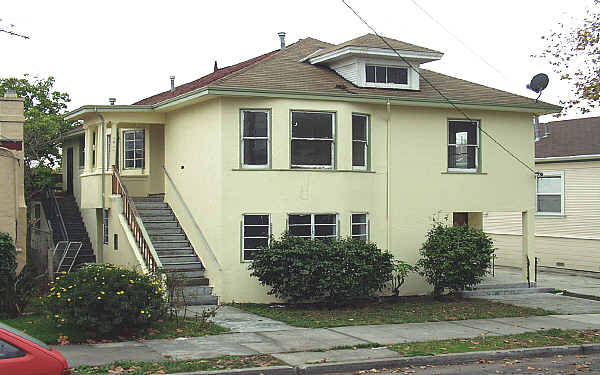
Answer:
(70, 170)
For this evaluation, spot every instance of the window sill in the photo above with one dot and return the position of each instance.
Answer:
(320, 170)
(549, 215)
(464, 172)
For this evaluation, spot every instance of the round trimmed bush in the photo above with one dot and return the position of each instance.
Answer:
(456, 257)
(331, 270)
(106, 299)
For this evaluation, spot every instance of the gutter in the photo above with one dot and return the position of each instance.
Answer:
(571, 158)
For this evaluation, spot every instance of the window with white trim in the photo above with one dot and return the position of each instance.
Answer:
(133, 148)
(105, 226)
(463, 145)
(256, 231)
(82, 150)
(360, 141)
(360, 227)
(313, 139)
(255, 138)
(386, 74)
(550, 197)
(313, 225)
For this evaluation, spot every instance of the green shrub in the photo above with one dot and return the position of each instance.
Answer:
(106, 299)
(16, 290)
(299, 269)
(399, 272)
(455, 257)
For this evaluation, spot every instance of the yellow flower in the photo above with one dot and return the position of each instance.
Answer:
(99, 297)
(57, 278)
(101, 292)
(68, 300)
(130, 281)
(142, 312)
(56, 316)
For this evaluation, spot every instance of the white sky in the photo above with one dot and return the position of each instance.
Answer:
(128, 49)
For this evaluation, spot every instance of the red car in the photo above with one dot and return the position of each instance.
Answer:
(21, 354)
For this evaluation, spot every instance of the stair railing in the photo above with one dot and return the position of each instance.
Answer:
(52, 210)
(135, 224)
(192, 219)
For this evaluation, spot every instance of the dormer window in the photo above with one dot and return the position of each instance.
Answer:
(386, 74)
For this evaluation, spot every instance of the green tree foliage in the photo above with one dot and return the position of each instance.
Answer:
(574, 53)
(15, 290)
(106, 299)
(44, 125)
(300, 269)
(454, 257)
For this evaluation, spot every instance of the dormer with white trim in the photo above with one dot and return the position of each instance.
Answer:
(368, 61)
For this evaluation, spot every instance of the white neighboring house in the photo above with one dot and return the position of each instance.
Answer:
(568, 201)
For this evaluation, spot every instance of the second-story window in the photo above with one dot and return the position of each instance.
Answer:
(360, 141)
(82, 150)
(386, 74)
(463, 146)
(255, 138)
(313, 139)
(133, 147)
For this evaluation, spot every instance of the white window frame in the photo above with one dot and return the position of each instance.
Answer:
(312, 224)
(105, 234)
(367, 223)
(125, 131)
(366, 144)
(560, 174)
(387, 84)
(244, 260)
(332, 139)
(477, 146)
(108, 143)
(243, 138)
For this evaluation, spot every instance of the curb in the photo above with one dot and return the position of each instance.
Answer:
(271, 370)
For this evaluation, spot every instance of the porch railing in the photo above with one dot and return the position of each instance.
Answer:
(193, 220)
(140, 235)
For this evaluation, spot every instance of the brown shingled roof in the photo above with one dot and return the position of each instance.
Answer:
(569, 138)
(283, 71)
(373, 41)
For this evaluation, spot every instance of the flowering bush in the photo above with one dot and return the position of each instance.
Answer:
(105, 299)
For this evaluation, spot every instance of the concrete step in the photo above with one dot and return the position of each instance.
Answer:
(171, 244)
(159, 218)
(503, 292)
(175, 252)
(151, 227)
(145, 212)
(180, 259)
(505, 286)
(197, 290)
(167, 237)
(150, 205)
(152, 198)
(187, 273)
(203, 300)
(184, 267)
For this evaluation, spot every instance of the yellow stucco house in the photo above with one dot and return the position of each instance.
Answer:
(314, 138)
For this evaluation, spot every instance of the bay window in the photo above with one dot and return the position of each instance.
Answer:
(312, 143)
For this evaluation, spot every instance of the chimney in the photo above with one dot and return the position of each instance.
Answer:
(282, 40)
(172, 83)
(215, 68)
(112, 101)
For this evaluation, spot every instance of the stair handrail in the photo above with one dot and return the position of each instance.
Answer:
(62, 256)
(193, 219)
(53, 211)
(136, 225)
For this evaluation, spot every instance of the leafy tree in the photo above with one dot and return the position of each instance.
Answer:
(44, 125)
(574, 53)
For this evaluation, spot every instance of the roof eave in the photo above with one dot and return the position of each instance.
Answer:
(78, 113)
(377, 52)
(573, 158)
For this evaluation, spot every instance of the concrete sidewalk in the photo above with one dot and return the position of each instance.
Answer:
(298, 346)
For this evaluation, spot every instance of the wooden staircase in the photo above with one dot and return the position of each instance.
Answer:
(76, 231)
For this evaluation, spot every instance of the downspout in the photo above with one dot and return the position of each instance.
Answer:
(101, 253)
(387, 174)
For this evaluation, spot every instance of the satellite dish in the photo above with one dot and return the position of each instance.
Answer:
(538, 83)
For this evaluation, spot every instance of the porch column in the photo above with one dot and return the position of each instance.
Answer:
(114, 135)
(528, 227)
(88, 149)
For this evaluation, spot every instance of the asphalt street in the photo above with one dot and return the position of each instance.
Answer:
(559, 365)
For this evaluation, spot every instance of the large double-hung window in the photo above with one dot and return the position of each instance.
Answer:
(134, 151)
(360, 141)
(255, 138)
(313, 139)
(256, 231)
(550, 195)
(313, 225)
(463, 146)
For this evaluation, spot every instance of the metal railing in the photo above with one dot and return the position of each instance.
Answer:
(193, 220)
(140, 235)
(52, 210)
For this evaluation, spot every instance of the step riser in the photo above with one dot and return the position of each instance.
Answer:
(203, 300)
(196, 291)
(154, 212)
(171, 245)
(174, 237)
(171, 253)
(167, 261)
(505, 286)
(161, 226)
(151, 219)
(150, 205)
(504, 292)
(187, 274)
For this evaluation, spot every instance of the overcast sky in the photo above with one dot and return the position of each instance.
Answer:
(128, 49)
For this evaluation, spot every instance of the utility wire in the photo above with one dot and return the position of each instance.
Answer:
(439, 92)
(13, 33)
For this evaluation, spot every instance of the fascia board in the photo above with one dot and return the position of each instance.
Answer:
(380, 52)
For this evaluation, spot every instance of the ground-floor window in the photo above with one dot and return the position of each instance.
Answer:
(360, 227)
(313, 225)
(256, 230)
(105, 226)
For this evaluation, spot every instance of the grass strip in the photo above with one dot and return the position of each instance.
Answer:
(169, 367)
(399, 310)
(44, 329)
(552, 337)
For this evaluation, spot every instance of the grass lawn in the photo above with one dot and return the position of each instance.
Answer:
(553, 337)
(168, 367)
(414, 309)
(40, 327)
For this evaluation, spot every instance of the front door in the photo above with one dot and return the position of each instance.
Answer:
(70, 170)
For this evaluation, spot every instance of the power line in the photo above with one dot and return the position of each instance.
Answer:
(439, 92)
(13, 33)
